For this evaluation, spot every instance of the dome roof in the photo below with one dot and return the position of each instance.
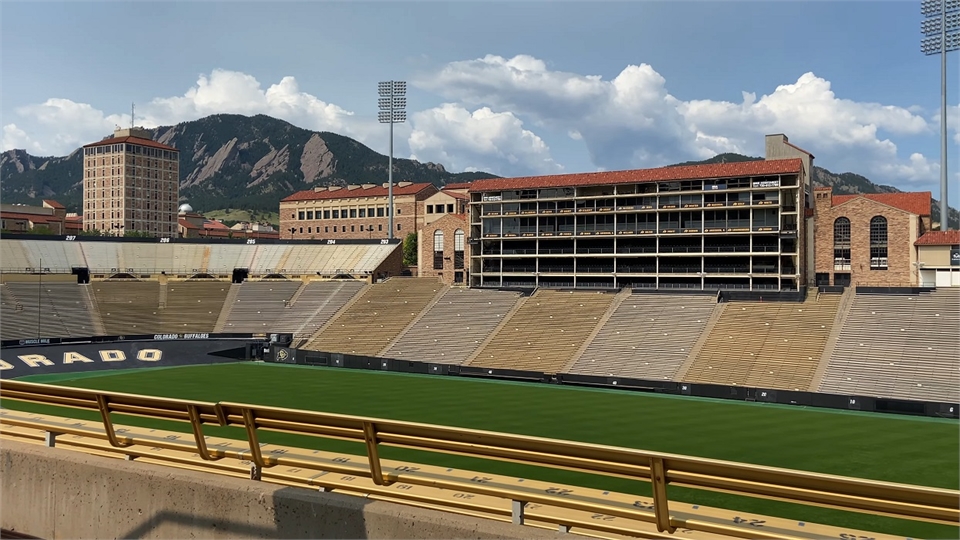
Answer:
(185, 208)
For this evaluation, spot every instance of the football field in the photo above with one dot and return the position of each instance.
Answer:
(914, 450)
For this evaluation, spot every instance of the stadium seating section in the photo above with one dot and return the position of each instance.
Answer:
(451, 330)
(31, 310)
(192, 259)
(376, 317)
(546, 332)
(774, 345)
(898, 346)
(649, 336)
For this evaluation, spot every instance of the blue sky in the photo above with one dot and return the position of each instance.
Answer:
(514, 88)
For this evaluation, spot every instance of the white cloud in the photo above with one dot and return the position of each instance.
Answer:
(479, 140)
(14, 137)
(454, 137)
(58, 125)
(633, 121)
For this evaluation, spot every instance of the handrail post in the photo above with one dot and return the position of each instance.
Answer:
(194, 415)
(373, 455)
(658, 480)
(516, 511)
(50, 438)
(108, 423)
(249, 422)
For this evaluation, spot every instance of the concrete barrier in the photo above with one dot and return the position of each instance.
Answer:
(55, 493)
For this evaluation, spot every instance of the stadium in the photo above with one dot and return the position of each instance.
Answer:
(653, 354)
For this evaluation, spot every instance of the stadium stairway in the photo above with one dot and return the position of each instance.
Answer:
(776, 345)
(369, 324)
(545, 333)
(191, 306)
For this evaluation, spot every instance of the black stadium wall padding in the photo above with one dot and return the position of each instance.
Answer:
(44, 359)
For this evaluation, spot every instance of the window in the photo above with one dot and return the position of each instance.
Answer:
(334, 228)
(370, 212)
(353, 228)
(398, 226)
(841, 244)
(438, 250)
(363, 212)
(399, 211)
(379, 212)
(878, 243)
(380, 227)
(326, 214)
(309, 214)
(458, 249)
(449, 208)
(326, 229)
(439, 208)
(429, 208)
(353, 212)
(336, 214)
(300, 215)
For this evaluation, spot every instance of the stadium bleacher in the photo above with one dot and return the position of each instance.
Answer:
(453, 328)
(192, 306)
(128, 306)
(649, 336)
(776, 345)
(370, 323)
(66, 312)
(313, 305)
(898, 346)
(259, 305)
(545, 333)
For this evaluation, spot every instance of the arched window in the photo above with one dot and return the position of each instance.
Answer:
(878, 243)
(841, 244)
(458, 249)
(438, 250)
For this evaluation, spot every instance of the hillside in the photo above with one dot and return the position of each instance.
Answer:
(231, 161)
(251, 162)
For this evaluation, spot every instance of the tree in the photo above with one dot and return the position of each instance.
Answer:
(410, 249)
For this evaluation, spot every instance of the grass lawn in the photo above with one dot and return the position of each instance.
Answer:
(244, 215)
(914, 450)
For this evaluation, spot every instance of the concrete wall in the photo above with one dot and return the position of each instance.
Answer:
(54, 493)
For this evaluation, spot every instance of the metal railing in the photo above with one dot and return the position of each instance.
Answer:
(905, 501)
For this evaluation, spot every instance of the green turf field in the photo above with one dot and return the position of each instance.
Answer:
(916, 450)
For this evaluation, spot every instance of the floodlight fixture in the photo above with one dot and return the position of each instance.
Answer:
(941, 28)
(392, 105)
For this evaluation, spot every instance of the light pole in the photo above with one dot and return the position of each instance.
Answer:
(392, 110)
(941, 25)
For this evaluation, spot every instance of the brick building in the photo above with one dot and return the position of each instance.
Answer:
(354, 211)
(50, 218)
(868, 238)
(131, 183)
(443, 248)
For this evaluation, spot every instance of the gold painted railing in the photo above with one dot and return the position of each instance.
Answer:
(905, 501)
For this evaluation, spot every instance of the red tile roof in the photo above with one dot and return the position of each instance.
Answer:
(462, 185)
(53, 204)
(939, 238)
(132, 140)
(210, 224)
(344, 193)
(34, 218)
(186, 224)
(917, 202)
(685, 172)
(457, 195)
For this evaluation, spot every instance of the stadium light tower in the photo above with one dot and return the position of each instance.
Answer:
(941, 26)
(393, 106)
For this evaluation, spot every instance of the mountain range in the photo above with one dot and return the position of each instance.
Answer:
(251, 162)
